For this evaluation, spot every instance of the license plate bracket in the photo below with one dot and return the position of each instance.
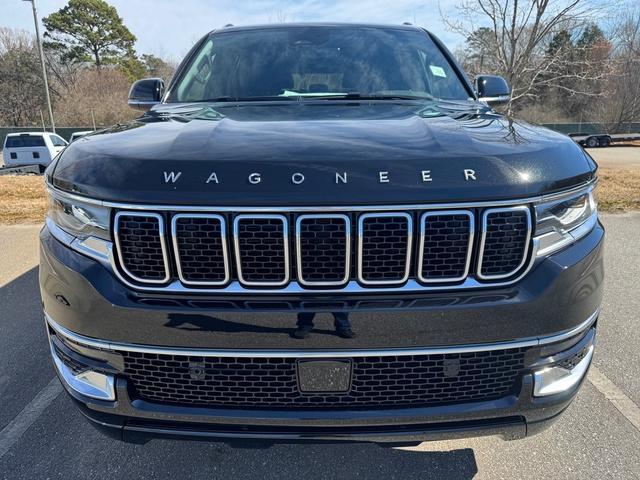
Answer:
(324, 376)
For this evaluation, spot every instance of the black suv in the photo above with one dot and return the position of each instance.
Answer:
(322, 231)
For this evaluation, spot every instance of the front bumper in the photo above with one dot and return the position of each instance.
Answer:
(554, 307)
(513, 416)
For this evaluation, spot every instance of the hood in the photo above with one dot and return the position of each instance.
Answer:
(321, 153)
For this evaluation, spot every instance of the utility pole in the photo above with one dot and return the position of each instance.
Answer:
(44, 68)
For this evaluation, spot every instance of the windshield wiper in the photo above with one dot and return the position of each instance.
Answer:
(369, 96)
(241, 99)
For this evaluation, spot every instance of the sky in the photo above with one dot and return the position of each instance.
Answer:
(168, 28)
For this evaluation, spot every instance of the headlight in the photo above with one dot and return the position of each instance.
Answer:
(77, 218)
(563, 221)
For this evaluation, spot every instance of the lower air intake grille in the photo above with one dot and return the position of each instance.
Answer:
(262, 249)
(140, 243)
(506, 238)
(377, 382)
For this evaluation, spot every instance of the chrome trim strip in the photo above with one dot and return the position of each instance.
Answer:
(544, 386)
(80, 384)
(238, 253)
(323, 208)
(423, 224)
(163, 245)
(360, 235)
(58, 232)
(345, 278)
(484, 235)
(483, 347)
(176, 248)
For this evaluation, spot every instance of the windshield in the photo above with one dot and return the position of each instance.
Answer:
(297, 62)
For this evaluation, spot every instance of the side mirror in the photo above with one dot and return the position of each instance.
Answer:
(492, 89)
(146, 93)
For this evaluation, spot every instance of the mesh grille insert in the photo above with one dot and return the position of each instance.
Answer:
(377, 382)
(323, 249)
(505, 243)
(384, 246)
(262, 249)
(445, 247)
(140, 246)
(200, 248)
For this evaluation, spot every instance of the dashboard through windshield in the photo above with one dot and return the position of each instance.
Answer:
(318, 62)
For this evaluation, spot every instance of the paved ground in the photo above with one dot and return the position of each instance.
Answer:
(616, 157)
(42, 436)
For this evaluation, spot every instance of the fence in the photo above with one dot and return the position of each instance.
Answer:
(592, 128)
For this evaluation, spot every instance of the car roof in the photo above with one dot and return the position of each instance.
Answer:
(231, 28)
(33, 134)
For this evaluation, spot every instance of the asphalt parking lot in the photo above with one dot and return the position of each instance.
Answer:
(43, 436)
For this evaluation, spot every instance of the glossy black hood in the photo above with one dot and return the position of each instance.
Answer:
(321, 152)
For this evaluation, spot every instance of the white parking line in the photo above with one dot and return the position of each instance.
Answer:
(29, 414)
(624, 404)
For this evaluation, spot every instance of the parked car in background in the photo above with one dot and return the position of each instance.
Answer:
(31, 148)
(76, 135)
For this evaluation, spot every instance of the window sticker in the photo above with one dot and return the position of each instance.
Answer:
(438, 71)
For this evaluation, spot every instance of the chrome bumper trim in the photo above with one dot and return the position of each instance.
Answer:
(531, 342)
(90, 384)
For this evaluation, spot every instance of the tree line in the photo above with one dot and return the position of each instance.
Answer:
(91, 62)
(562, 64)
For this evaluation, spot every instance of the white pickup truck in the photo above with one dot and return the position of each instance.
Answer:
(31, 148)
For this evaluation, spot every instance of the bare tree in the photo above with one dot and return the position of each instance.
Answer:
(21, 91)
(515, 44)
(622, 103)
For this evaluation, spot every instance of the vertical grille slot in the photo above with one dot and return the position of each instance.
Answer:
(323, 249)
(262, 249)
(384, 248)
(446, 240)
(506, 233)
(140, 242)
(200, 247)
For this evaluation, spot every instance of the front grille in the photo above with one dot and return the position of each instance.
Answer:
(323, 249)
(445, 249)
(262, 249)
(200, 246)
(505, 241)
(335, 251)
(140, 242)
(377, 382)
(385, 247)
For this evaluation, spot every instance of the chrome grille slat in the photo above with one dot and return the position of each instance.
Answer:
(506, 234)
(262, 249)
(200, 249)
(141, 246)
(384, 248)
(446, 245)
(327, 240)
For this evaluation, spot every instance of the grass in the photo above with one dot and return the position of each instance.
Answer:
(618, 190)
(22, 198)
